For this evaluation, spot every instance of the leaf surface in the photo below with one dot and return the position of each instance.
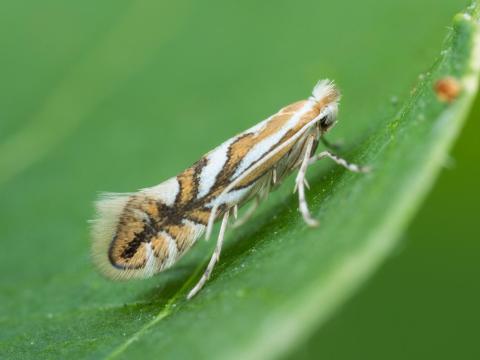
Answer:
(277, 279)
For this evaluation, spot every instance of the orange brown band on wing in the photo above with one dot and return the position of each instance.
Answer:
(270, 163)
(244, 143)
(160, 247)
(259, 171)
(188, 181)
(148, 221)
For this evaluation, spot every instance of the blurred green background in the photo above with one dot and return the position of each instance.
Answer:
(116, 95)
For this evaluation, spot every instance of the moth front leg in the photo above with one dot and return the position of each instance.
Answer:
(340, 161)
(332, 146)
(301, 181)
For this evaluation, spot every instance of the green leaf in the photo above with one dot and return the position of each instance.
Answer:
(91, 123)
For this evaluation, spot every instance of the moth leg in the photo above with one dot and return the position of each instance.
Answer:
(213, 260)
(211, 220)
(300, 184)
(339, 161)
(248, 214)
(332, 146)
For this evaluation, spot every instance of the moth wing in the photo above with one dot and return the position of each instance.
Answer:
(267, 161)
(127, 245)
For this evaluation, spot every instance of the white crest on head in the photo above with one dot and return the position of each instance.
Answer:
(325, 88)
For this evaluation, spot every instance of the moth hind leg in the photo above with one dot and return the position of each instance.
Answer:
(213, 260)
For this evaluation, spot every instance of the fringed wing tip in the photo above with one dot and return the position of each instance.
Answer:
(326, 88)
(108, 207)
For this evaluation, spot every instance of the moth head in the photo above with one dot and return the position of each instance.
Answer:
(327, 96)
(328, 118)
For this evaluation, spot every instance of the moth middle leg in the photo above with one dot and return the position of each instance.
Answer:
(261, 195)
(248, 213)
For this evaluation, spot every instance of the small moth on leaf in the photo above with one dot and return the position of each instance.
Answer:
(137, 235)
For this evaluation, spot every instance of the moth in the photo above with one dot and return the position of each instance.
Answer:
(136, 235)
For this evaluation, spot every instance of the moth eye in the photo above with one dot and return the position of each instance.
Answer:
(325, 122)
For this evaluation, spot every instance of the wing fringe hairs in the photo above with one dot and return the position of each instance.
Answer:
(108, 208)
(121, 216)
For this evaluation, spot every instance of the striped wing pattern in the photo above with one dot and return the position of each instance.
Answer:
(140, 234)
